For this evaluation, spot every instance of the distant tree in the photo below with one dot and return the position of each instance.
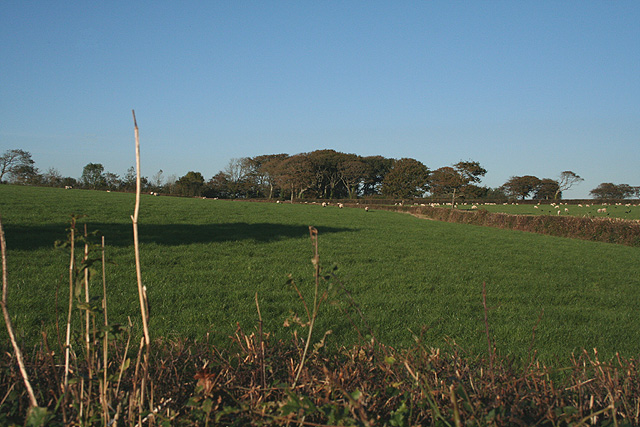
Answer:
(353, 171)
(496, 194)
(379, 167)
(324, 167)
(170, 185)
(26, 174)
(548, 189)
(112, 181)
(265, 169)
(608, 190)
(521, 186)
(52, 178)
(157, 181)
(446, 181)
(295, 174)
(16, 162)
(218, 186)
(93, 176)
(128, 182)
(470, 171)
(191, 184)
(238, 177)
(407, 178)
(460, 179)
(567, 180)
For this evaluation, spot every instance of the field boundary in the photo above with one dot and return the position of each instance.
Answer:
(607, 230)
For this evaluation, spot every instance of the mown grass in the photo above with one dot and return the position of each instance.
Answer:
(588, 210)
(204, 260)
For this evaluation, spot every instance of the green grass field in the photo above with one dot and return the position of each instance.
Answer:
(623, 211)
(204, 260)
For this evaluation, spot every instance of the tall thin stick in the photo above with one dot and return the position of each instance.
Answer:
(67, 343)
(105, 346)
(134, 218)
(87, 315)
(7, 319)
(142, 292)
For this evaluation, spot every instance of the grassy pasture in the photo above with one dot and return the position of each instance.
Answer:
(204, 260)
(632, 211)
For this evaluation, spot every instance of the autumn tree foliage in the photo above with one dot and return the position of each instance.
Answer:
(296, 175)
(377, 168)
(407, 178)
(459, 179)
(190, 184)
(521, 186)
(609, 190)
(351, 174)
(548, 189)
(445, 181)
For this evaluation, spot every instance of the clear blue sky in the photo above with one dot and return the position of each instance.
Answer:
(523, 87)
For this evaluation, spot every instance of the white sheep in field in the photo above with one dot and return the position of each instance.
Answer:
(366, 208)
(558, 211)
(535, 207)
(324, 204)
(340, 205)
(474, 207)
(566, 209)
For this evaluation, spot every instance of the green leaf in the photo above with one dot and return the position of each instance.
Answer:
(207, 405)
(37, 416)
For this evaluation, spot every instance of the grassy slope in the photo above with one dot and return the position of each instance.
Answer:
(203, 261)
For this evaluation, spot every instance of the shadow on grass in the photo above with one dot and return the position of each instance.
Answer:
(35, 237)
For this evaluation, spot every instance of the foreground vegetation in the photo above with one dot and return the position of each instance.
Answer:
(253, 381)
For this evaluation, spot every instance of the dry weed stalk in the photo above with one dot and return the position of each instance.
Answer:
(7, 319)
(67, 343)
(313, 232)
(145, 342)
(104, 384)
(136, 244)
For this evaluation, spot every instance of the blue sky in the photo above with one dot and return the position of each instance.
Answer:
(523, 87)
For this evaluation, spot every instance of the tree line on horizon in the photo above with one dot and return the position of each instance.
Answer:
(320, 174)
